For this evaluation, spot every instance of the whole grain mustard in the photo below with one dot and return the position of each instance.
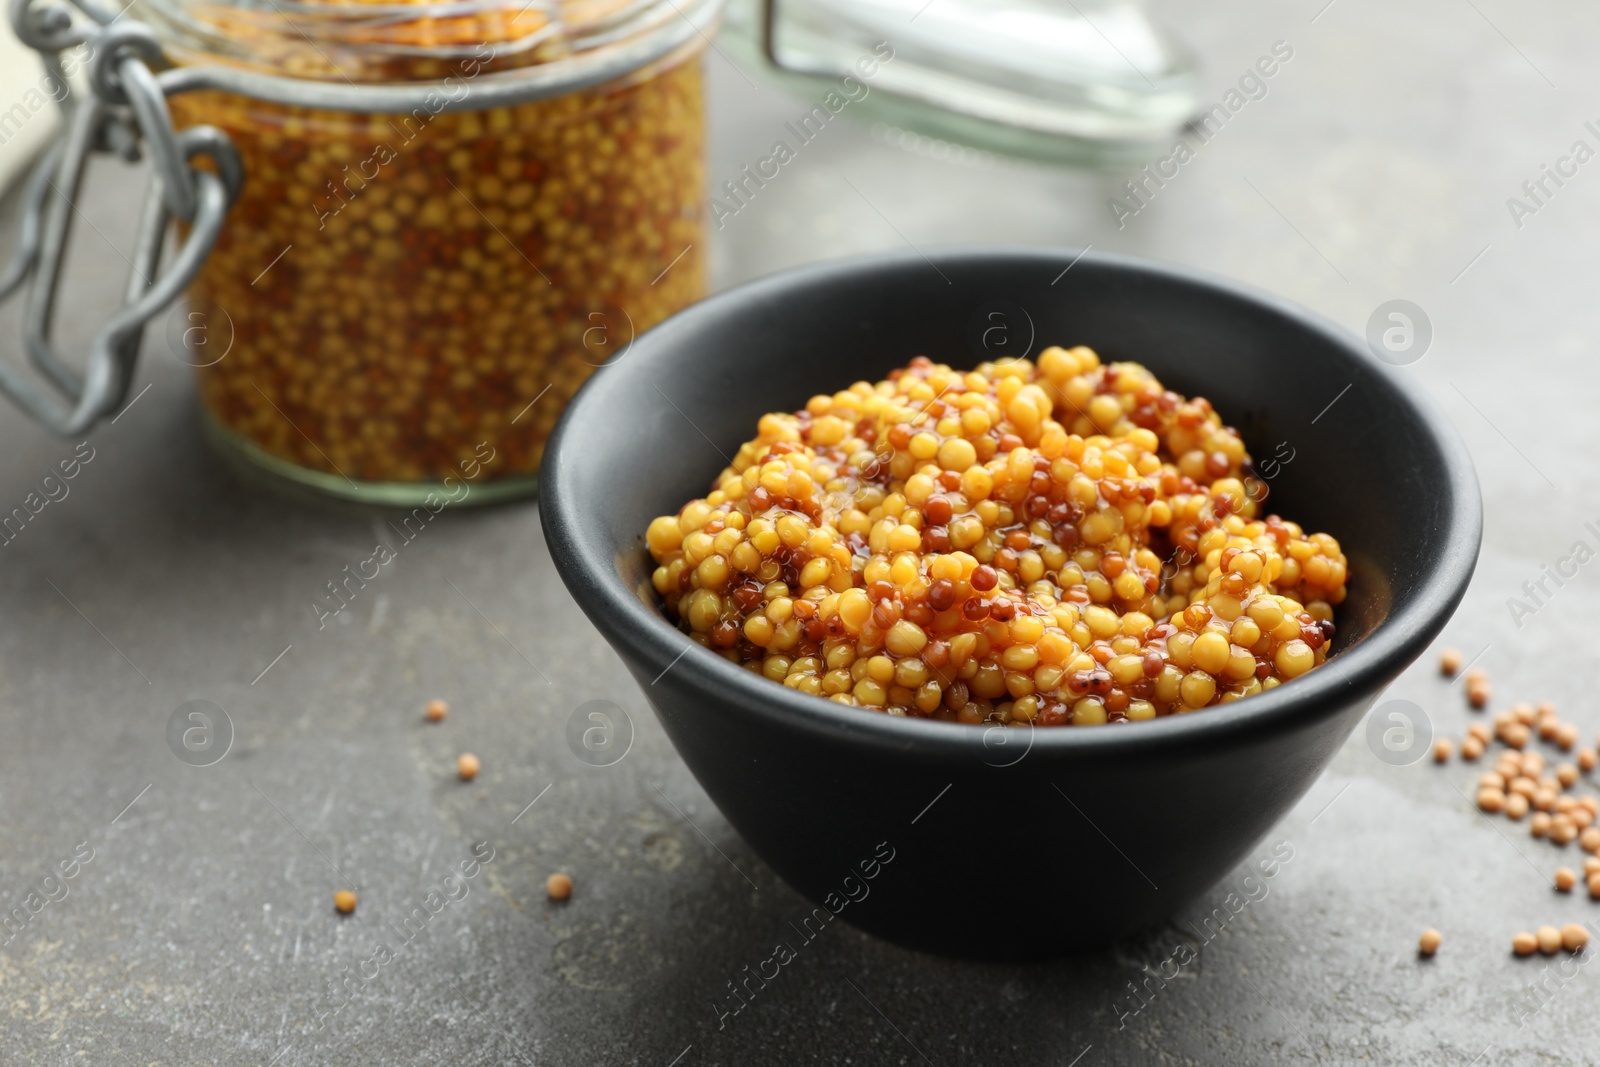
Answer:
(403, 288)
(1051, 543)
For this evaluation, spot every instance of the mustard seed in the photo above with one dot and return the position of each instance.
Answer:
(1549, 940)
(1589, 840)
(1562, 832)
(1591, 867)
(1594, 886)
(1449, 662)
(1567, 736)
(1428, 943)
(1516, 807)
(1539, 825)
(1491, 800)
(1480, 731)
(558, 886)
(1479, 695)
(1523, 712)
(1477, 674)
(437, 710)
(1471, 749)
(468, 765)
(1524, 944)
(1515, 735)
(1574, 936)
(1565, 879)
(344, 901)
(1492, 780)
(1441, 750)
(1567, 775)
(1587, 760)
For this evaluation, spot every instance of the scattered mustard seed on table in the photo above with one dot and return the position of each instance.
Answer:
(1574, 936)
(1441, 750)
(1428, 944)
(1449, 662)
(559, 886)
(344, 901)
(1549, 940)
(1524, 944)
(437, 710)
(1565, 879)
(468, 765)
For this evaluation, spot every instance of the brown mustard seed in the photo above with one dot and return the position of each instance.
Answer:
(437, 710)
(1516, 807)
(1492, 780)
(1567, 736)
(1549, 940)
(1479, 695)
(1428, 943)
(1449, 662)
(1548, 728)
(1477, 674)
(1587, 759)
(1591, 867)
(1562, 832)
(1471, 749)
(344, 901)
(558, 886)
(1491, 800)
(1441, 750)
(1589, 840)
(1565, 879)
(1567, 775)
(1574, 936)
(1481, 731)
(1532, 764)
(1539, 825)
(1515, 735)
(468, 766)
(1594, 886)
(1523, 712)
(1524, 944)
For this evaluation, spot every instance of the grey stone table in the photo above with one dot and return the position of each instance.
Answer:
(1377, 165)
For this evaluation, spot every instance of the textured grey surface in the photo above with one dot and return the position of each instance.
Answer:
(1377, 166)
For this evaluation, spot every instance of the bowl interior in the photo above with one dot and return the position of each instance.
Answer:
(1360, 454)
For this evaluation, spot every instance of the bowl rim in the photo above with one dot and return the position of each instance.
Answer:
(588, 568)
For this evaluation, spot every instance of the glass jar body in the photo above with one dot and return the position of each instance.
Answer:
(409, 300)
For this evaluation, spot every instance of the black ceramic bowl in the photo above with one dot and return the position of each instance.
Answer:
(1063, 838)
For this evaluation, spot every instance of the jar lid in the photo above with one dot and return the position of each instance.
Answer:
(1089, 80)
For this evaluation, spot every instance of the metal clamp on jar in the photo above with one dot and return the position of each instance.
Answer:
(440, 218)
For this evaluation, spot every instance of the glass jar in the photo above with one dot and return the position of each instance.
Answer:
(407, 294)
